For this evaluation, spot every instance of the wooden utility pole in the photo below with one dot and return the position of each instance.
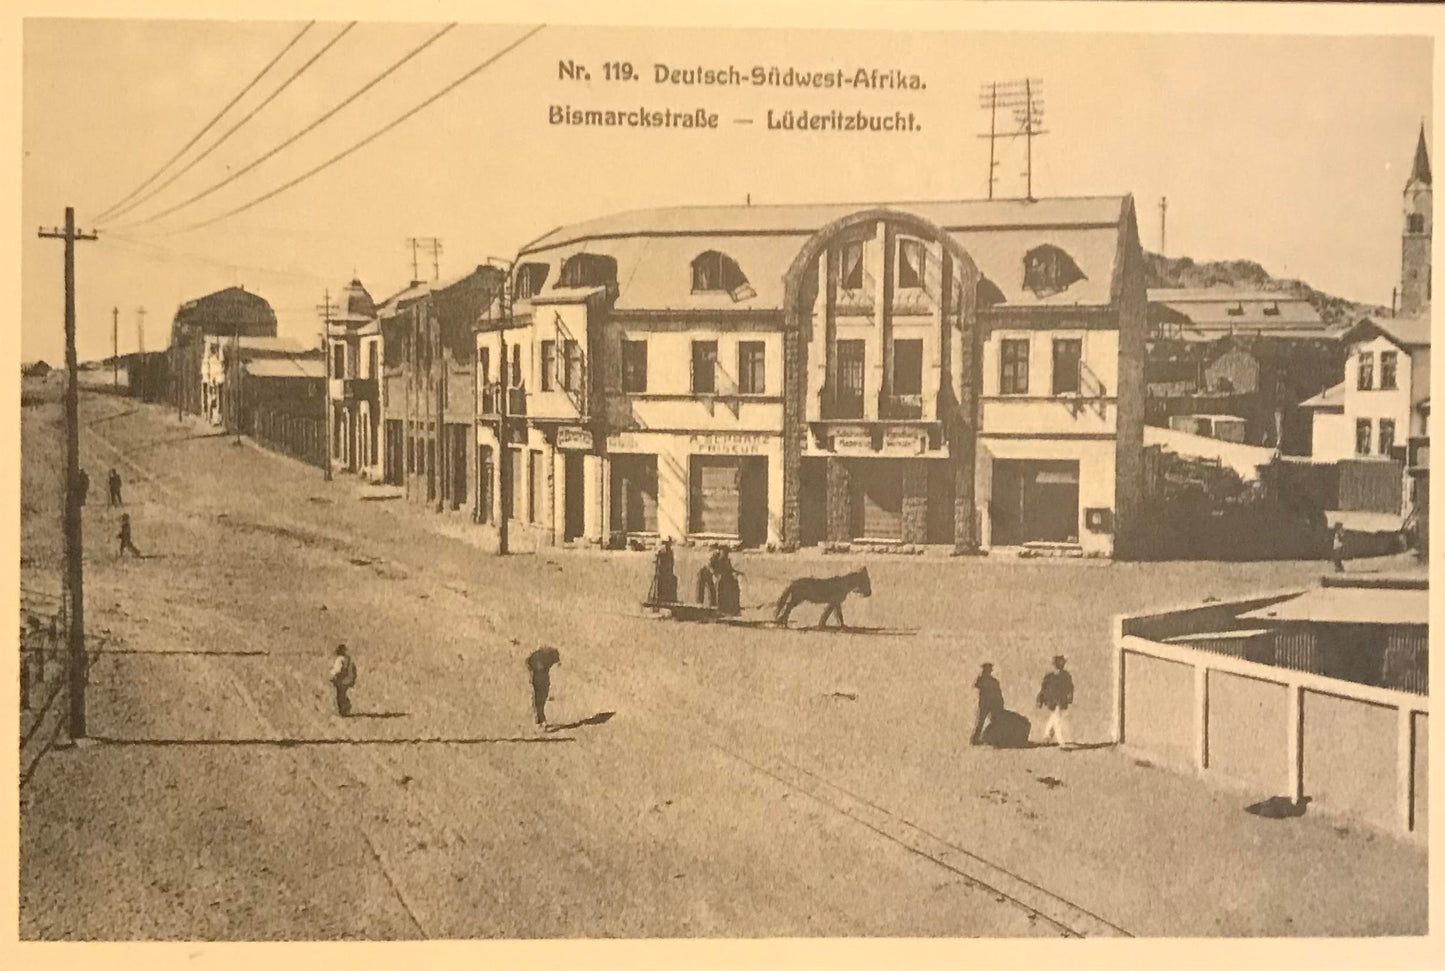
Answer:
(504, 452)
(326, 308)
(74, 563)
(1163, 224)
(115, 346)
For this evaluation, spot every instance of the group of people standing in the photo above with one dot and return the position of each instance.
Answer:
(996, 725)
(717, 580)
(113, 500)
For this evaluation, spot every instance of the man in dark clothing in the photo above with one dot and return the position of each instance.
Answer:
(664, 580)
(125, 541)
(113, 482)
(539, 665)
(990, 703)
(1057, 694)
(343, 679)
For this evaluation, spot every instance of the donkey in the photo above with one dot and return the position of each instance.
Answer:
(822, 590)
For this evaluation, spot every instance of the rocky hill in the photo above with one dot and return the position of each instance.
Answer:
(1166, 271)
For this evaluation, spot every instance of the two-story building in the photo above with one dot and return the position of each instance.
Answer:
(353, 356)
(429, 386)
(232, 313)
(962, 373)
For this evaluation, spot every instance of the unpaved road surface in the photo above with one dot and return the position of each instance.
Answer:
(708, 781)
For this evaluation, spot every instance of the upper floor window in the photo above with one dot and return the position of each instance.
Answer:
(634, 366)
(1068, 365)
(910, 264)
(1048, 269)
(850, 266)
(717, 271)
(484, 366)
(1415, 222)
(548, 367)
(1366, 377)
(1272, 309)
(1362, 436)
(588, 270)
(704, 367)
(529, 280)
(371, 360)
(338, 360)
(1013, 366)
(1387, 435)
(1389, 362)
(1235, 311)
(515, 378)
(752, 377)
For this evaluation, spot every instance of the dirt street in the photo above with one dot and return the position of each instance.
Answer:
(707, 781)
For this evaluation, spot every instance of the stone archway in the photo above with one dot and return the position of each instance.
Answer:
(958, 406)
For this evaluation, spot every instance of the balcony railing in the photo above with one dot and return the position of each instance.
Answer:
(842, 405)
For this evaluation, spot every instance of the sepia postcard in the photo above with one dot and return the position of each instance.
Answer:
(801, 485)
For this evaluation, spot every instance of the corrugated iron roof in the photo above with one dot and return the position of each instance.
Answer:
(654, 248)
(1350, 605)
(287, 367)
(1329, 398)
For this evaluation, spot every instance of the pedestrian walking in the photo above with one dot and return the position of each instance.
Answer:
(1337, 547)
(343, 679)
(125, 538)
(664, 579)
(1057, 694)
(112, 482)
(539, 667)
(990, 702)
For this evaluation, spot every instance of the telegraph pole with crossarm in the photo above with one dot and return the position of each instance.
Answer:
(74, 565)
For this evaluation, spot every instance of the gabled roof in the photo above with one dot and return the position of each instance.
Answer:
(1404, 332)
(654, 248)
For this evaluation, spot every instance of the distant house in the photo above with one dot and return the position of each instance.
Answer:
(220, 358)
(39, 369)
(230, 313)
(1207, 315)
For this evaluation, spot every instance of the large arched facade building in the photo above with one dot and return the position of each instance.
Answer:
(967, 374)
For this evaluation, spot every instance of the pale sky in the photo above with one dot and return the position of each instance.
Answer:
(1290, 151)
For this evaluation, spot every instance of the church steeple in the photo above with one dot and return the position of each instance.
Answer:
(1421, 172)
(1418, 230)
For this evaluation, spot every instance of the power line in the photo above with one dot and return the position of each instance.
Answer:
(232, 130)
(365, 141)
(294, 138)
(210, 124)
(163, 254)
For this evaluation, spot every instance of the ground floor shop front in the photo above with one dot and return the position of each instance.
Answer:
(557, 485)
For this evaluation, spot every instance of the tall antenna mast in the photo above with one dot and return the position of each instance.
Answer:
(1024, 98)
(425, 242)
(1163, 216)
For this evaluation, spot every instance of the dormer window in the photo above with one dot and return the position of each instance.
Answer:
(1236, 311)
(529, 280)
(910, 264)
(713, 271)
(1048, 269)
(987, 292)
(1272, 310)
(588, 270)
